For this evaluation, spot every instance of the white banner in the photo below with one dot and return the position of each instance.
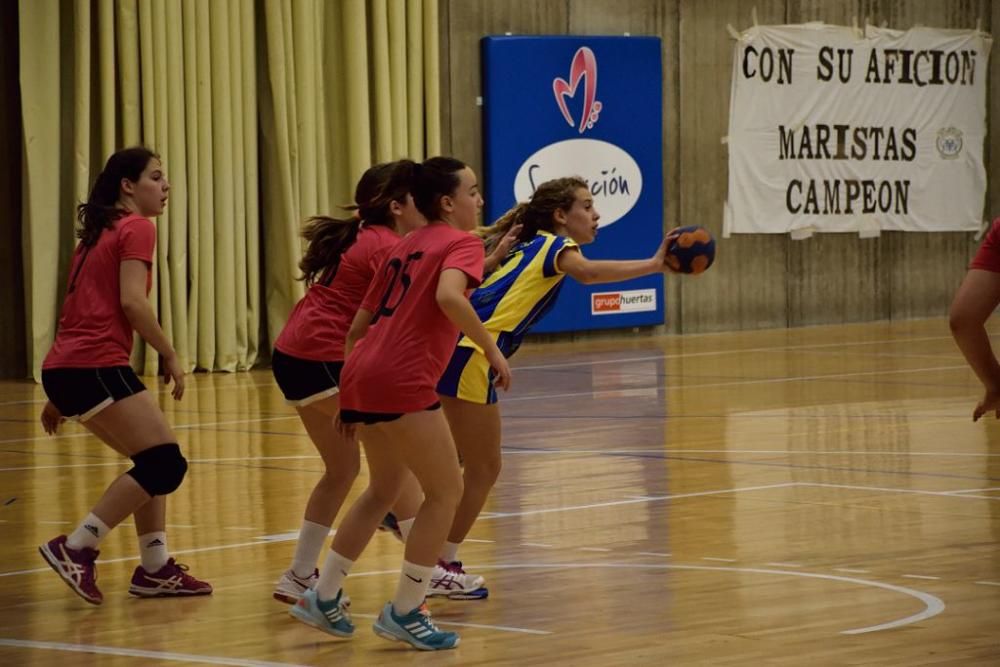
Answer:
(831, 132)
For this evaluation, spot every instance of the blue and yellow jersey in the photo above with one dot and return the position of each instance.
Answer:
(522, 289)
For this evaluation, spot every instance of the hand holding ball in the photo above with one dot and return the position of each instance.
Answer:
(690, 250)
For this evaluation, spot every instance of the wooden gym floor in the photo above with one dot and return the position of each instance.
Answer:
(813, 496)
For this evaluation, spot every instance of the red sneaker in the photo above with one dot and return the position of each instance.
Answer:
(77, 568)
(172, 580)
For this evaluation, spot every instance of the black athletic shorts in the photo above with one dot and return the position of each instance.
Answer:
(369, 418)
(303, 381)
(80, 393)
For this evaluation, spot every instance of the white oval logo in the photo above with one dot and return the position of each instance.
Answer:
(613, 176)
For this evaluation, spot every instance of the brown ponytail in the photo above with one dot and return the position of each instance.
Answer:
(535, 214)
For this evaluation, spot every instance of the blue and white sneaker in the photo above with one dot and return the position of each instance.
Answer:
(391, 524)
(330, 616)
(415, 628)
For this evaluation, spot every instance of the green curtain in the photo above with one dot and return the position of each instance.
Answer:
(343, 85)
(330, 86)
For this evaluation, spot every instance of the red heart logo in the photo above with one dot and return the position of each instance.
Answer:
(583, 66)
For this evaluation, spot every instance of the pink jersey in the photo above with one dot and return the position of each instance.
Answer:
(318, 325)
(93, 330)
(988, 256)
(396, 366)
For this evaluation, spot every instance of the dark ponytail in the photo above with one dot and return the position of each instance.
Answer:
(329, 238)
(100, 210)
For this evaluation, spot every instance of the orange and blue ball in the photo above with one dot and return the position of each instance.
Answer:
(691, 251)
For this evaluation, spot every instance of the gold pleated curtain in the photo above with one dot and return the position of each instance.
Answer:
(344, 84)
(330, 86)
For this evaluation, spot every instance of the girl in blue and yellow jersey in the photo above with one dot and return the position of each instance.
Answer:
(559, 218)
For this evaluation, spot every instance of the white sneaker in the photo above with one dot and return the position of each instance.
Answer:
(450, 580)
(291, 586)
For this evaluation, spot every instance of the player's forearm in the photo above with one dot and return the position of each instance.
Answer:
(491, 262)
(974, 343)
(142, 318)
(612, 271)
(458, 309)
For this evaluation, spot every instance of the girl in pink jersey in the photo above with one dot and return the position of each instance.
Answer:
(406, 330)
(559, 218)
(87, 377)
(975, 301)
(338, 267)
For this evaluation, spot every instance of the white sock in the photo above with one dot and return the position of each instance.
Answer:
(153, 551)
(405, 527)
(331, 577)
(449, 552)
(87, 534)
(413, 583)
(312, 536)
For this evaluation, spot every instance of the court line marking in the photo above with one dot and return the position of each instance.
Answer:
(713, 385)
(712, 353)
(653, 553)
(850, 570)
(963, 491)
(270, 539)
(478, 626)
(377, 573)
(933, 605)
(180, 552)
(988, 583)
(613, 503)
(531, 397)
(124, 462)
(142, 653)
(920, 576)
(88, 434)
(946, 494)
(273, 539)
(566, 452)
(784, 564)
(675, 355)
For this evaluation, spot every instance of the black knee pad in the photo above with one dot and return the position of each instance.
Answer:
(159, 470)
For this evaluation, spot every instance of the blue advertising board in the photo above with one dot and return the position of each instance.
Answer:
(548, 115)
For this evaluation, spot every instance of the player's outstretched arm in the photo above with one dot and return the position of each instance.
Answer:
(976, 299)
(590, 271)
